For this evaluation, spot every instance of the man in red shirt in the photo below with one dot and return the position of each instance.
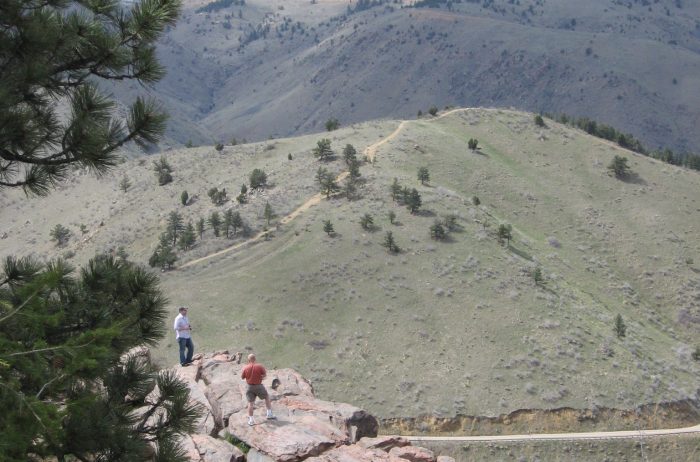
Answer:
(254, 374)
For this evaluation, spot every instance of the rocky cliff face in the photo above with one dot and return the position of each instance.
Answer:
(306, 428)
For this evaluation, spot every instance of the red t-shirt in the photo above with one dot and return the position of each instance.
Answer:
(253, 373)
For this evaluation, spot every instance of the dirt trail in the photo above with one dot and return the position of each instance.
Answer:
(628, 434)
(370, 152)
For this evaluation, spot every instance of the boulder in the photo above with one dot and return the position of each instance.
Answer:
(384, 443)
(210, 422)
(289, 438)
(445, 459)
(190, 448)
(215, 450)
(355, 422)
(413, 454)
(223, 385)
(353, 453)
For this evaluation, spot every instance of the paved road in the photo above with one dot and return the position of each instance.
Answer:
(630, 434)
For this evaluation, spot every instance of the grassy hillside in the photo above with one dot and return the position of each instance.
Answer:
(285, 67)
(442, 327)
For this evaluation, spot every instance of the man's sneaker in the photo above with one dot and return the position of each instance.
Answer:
(251, 422)
(271, 417)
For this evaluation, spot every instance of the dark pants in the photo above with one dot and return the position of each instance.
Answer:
(186, 343)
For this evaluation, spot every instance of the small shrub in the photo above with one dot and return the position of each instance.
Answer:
(236, 442)
(433, 110)
(390, 243)
(696, 354)
(423, 175)
(392, 216)
(258, 178)
(620, 328)
(537, 276)
(218, 197)
(618, 166)
(289, 156)
(60, 234)
(539, 121)
(219, 147)
(163, 171)
(323, 150)
(473, 144)
(184, 197)
(437, 231)
(366, 221)
(332, 124)
(476, 201)
(328, 227)
(124, 184)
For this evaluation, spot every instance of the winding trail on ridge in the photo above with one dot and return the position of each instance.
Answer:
(370, 151)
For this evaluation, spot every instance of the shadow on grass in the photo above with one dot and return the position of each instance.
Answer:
(425, 213)
(446, 240)
(520, 253)
(633, 178)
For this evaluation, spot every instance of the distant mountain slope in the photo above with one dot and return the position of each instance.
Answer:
(279, 68)
(441, 328)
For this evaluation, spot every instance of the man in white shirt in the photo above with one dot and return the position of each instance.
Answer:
(183, 335)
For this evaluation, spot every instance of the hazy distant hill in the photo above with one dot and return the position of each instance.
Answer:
(443, 327)
(276, 68)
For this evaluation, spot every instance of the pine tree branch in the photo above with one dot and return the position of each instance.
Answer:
(24, 303)
(47, 384)
(41, 350)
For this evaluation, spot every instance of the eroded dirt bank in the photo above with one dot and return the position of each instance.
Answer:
(662, 415)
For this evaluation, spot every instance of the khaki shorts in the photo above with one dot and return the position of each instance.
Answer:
(256, 390)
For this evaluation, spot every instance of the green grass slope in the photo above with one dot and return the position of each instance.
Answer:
(442, 327)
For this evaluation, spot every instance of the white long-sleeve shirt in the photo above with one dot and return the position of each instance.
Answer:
(182, 326)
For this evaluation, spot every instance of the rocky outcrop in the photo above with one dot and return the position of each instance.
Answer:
(306, 428)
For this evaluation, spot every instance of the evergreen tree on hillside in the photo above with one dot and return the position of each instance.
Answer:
(124, 184)
(258, 179)
(414, 201)
(164, 256)
(366, 221)
(187, 238)
(228, 222)
(390, 243)
(329, 185)
(215, 223)
(323, 150)
(423, 175)
(620, 328)
(437, 231)
(268, 213)
(328, 227)
(395, 190)
(618, 166)
(201, 227)
(354, 171)
(236, 222)
(60, 234)
(163, 171)
(349, 154)
(505, 231)
(175, 226)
